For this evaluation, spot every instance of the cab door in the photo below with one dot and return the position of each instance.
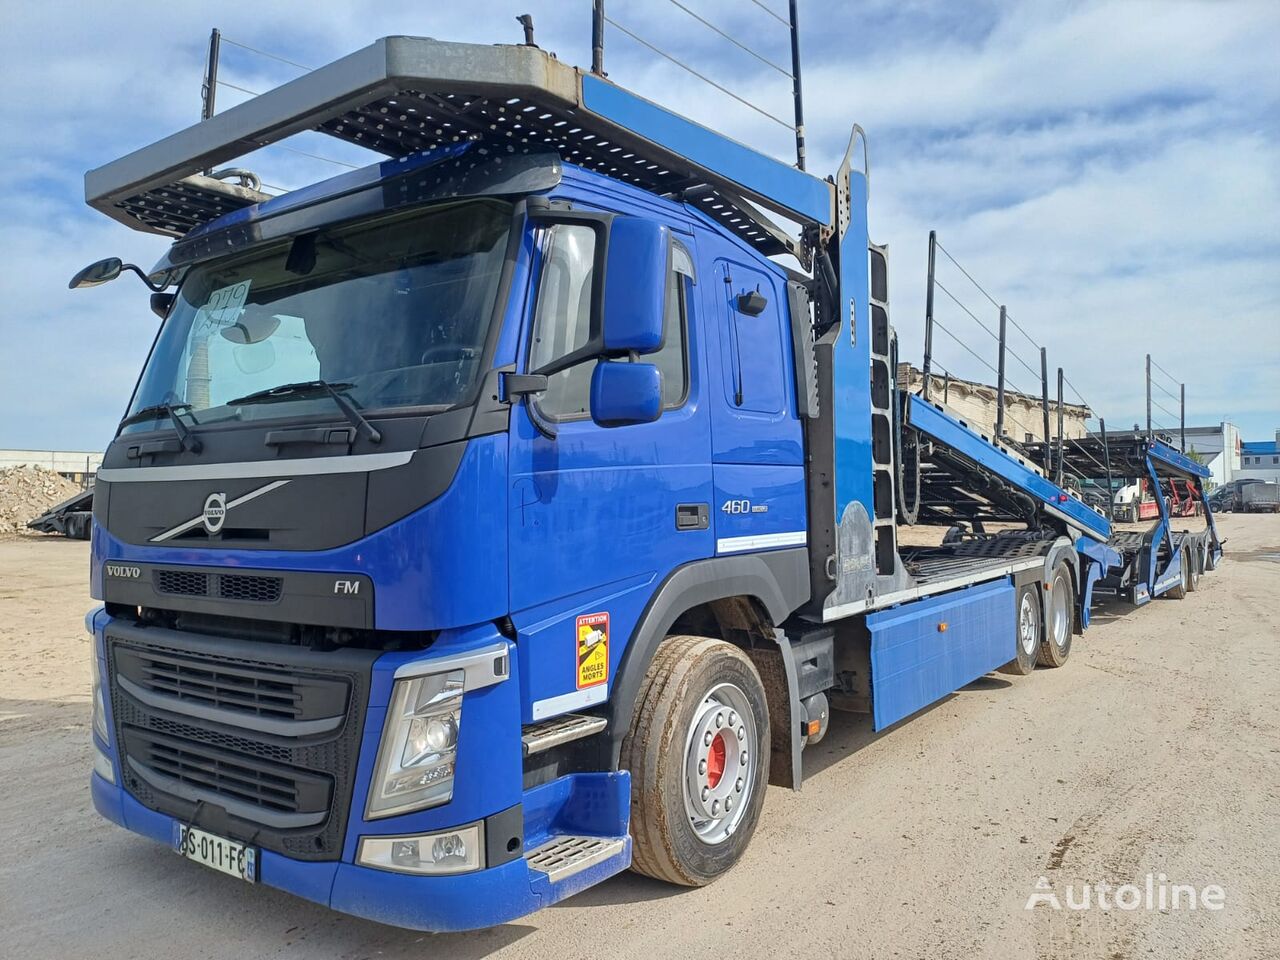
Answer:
(598, 515)
(757, 446)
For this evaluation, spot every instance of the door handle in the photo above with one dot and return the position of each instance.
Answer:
(692, 516)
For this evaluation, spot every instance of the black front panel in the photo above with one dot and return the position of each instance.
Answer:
(255, 741)
(281, 596)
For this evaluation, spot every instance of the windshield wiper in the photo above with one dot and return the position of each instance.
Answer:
(188, 439)
(288, 391)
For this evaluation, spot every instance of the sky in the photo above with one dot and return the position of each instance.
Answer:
(1110, 171)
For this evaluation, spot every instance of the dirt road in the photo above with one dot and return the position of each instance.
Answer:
(1155, 750)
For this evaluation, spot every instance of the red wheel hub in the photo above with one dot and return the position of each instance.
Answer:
(715, 761)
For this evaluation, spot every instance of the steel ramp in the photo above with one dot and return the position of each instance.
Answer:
(1005, 479)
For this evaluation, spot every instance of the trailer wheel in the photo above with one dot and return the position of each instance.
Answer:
(698, 752)
(1061, 603)
(1184, 579)
(1029, 631)
(1195, 559)
(1210, 560)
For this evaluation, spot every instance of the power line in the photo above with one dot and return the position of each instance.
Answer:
(781, 19)
(224, 83)
(992, 334)
(705, 79)
(1172, 378)
(285, 147)
(967, 274)
(707, 23)
(264, 53)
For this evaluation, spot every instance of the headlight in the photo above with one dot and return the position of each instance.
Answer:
(102, 765)
(458, 850)
(419, 745)
(99, 704)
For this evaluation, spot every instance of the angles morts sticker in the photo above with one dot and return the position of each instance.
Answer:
(593, 649)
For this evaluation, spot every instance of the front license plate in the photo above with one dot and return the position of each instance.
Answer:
(222, 854)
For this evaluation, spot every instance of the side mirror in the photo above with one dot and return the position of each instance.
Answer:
(635, 290)
(162, 303)
(96, 273)
(625, 393)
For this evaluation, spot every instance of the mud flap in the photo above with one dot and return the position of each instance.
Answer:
(777, 672)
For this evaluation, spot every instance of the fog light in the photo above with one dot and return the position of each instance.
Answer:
(460, 850)
(102, 765)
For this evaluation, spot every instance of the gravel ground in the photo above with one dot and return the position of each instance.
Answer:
(1155, 750)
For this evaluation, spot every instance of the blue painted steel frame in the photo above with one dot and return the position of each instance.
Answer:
(944, 428)
(804, 195)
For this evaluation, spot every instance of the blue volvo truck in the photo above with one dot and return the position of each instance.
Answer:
(507, 514)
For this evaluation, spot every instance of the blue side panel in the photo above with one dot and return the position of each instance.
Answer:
(763, 500)
(944, 428)
(800, 193)
(851, 362)
(922, 651)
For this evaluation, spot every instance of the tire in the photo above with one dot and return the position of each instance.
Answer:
(1195, 558)
(1028, 628)
(1055, 647)
(1184, 579)
(695, 805)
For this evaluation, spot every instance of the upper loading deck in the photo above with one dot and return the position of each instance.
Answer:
(404, 95)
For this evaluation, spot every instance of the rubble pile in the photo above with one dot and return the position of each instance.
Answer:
(27, 492)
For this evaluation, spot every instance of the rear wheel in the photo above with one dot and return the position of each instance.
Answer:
(1195, 561)
(1029, 627)
(698, 755)
(1184, 579)
(1055, 648)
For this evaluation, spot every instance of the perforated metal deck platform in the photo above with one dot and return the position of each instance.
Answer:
(404, 95)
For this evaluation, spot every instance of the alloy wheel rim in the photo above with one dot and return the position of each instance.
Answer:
(1059, 611)
(720, 763)
(1027, 627)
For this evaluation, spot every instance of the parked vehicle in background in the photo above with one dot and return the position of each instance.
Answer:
(1260, 497)
(1228, 497)
(1134, 502)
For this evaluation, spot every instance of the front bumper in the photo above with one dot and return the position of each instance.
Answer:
(445, 904)
(488, 789)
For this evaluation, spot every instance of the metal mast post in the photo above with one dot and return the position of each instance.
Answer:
(796, 86)
(597, 38)
(928, 317)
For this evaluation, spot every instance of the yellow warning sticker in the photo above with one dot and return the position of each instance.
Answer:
(593, 649)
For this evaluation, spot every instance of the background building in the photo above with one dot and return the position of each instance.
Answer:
(77, 465)
(1261, 461)
(1219, 447)
(975, 403)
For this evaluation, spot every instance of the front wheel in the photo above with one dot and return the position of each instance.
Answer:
(698, 755)
(1061, 604)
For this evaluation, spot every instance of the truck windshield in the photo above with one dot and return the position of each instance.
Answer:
(398, 308)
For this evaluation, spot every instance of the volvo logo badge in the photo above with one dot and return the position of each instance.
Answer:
(215, 512)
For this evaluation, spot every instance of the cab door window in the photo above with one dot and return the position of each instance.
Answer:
(562, 321)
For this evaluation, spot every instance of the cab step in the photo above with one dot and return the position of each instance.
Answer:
(565, 728)
(563, 856)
